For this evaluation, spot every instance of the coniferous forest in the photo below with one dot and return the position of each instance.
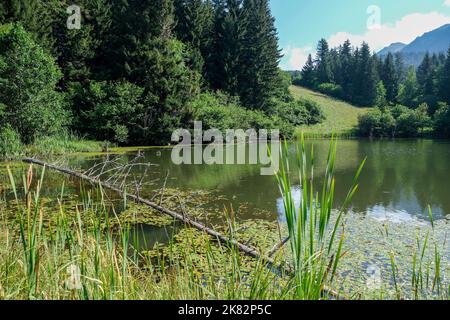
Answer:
(136, 70)
(408, 101)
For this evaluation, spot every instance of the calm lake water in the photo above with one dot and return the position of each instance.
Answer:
(399, 181)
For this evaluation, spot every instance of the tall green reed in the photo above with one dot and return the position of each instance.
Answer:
(315, 242)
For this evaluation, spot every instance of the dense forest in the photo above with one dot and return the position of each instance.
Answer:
(135, 70)
(408, 102)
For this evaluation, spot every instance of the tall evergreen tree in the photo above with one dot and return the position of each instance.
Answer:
(390, 78)
(33, 15)
(425, 76)
(346, 76)
(365, 77)
(308, 73)
(226, 48)
(194, 27)
(135, 24)
(323, 62)
(259, 77)
(400, 67)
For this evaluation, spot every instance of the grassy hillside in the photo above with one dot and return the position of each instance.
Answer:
(341, 117)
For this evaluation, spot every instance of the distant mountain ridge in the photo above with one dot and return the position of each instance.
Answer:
(434, 42)
(393, 48)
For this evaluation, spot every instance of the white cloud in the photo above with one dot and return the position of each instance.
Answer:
(404, 30)
(295, 58)
(447, 3)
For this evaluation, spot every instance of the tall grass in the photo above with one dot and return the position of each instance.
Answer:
(84, 255)
(65, 142)
(315, 244)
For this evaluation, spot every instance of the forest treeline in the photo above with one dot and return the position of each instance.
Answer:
(136, 70)
(408, 102)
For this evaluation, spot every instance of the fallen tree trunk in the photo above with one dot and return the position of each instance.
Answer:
(252, 252)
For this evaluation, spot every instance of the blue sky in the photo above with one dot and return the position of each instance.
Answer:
(301, 23)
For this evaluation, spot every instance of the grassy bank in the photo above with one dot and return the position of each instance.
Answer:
(11, 148)
(341, 117)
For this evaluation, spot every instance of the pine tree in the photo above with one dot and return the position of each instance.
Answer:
(231, 33)
(346, 76)
(76, 49)
(425, 76)
(308, 73)
(33, 15)
(444, 81)
(324, 72)
(389, 78)
(259, 77)
(400, 68)
(365, 77)
(135, 24)
(194, 27)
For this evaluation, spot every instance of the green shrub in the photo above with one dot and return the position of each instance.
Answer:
(107, 110)
(377, 124)
(10, 144)
(441, 120)
(331, 89)
(412, 122)
(28, 78)
(398, 121)
(219, 111)
(315, 113)
(298, 113)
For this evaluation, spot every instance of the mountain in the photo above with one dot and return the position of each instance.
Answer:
(434, 42)
(393, 48)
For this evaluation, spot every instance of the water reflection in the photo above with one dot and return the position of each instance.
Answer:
(400, 179)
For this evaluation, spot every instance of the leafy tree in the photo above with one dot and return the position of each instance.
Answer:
(412, 122)
(380, 100)
(29, 102)
(377, 123)
(408, 91)
(107, 110)
(442, 120)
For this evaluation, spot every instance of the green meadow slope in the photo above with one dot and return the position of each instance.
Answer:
(341, 117)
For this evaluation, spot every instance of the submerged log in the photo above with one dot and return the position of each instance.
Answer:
(252, 252)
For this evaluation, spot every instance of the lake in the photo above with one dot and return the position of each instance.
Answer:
(399, 181)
